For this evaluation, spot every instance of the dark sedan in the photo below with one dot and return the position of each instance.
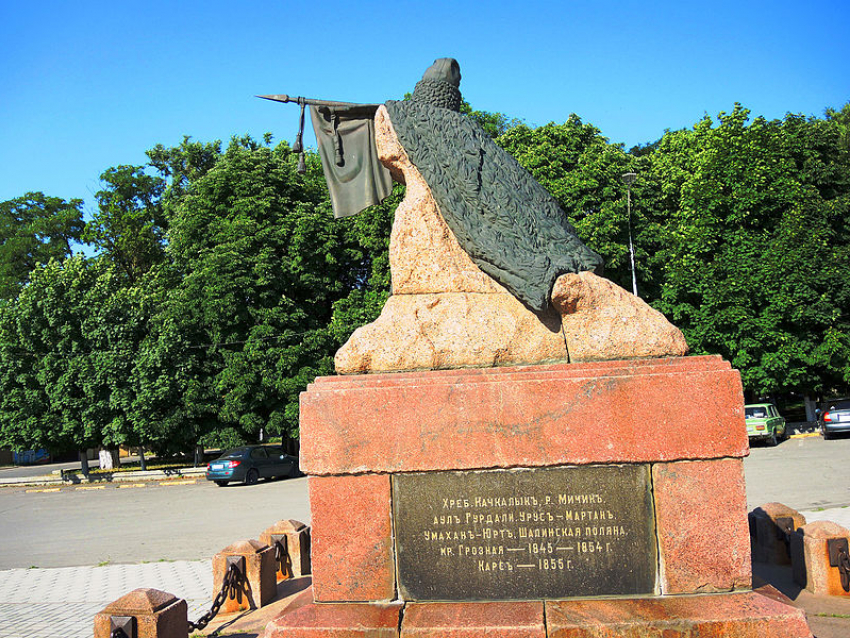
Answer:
(250, 463)
(835, 418)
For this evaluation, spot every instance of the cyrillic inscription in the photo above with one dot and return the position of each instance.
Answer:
(525, 534)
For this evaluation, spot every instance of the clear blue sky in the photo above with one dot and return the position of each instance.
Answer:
(88, 85)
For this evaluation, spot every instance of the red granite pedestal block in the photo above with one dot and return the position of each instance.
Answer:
(158, 614)
(735, 615)
(352, 541)
(701, 521)
(474, 620)
(810, 558)
(537, 416)
(338, 620)
(360, 433)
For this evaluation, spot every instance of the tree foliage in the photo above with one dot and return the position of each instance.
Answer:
(261, 265)
(223, 285)
(753, 254)
(34, 229)
(129, 226)
(67, 347)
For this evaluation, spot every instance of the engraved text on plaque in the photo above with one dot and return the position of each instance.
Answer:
(525, 534)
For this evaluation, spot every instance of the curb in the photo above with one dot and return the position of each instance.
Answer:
(114, 477)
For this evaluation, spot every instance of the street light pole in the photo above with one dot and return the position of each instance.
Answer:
(628, 179)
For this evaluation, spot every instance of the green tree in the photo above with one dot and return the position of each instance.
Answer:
(173, 404)
(260, 263)
(493, 123)
(183, 164)
(129, 226)
(67, 348)
(34, 229)
(754, 251)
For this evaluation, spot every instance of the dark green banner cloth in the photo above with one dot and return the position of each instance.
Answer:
(346, 140)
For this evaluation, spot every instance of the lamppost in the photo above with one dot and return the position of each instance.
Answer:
(628, 179)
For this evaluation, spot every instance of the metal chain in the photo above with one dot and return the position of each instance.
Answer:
(784, 530)
(229, 586)
(281, 556)
(844, 569)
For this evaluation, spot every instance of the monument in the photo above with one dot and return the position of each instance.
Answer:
(516, 446)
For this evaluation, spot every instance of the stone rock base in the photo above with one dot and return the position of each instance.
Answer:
(451, 330)
(602, 321)
(751, 614)
(592, 319)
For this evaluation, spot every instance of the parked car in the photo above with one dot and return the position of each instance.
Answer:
(250, 463)
(834, 418)
(764, 423)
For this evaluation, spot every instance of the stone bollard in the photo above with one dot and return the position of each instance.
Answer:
(810, 557)
(144, 613)
(294, 536)
(257, 586)
(770, 527)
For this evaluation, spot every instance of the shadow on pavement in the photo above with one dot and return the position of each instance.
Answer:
(828, 616)
(252, 623)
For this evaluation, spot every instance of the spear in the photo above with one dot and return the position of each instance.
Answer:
(283, 97)
(298, 145)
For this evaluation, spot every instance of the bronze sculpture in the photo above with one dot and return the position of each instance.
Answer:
(486, 268)
(510, 226)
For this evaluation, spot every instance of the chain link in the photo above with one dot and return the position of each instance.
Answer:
(229, 586)
(844, 569)
(281, 556)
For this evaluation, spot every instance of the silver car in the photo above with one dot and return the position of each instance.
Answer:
(835, 418)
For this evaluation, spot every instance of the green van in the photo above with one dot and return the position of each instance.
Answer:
(764, 423)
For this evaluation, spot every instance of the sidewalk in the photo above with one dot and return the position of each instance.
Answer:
(64, 601)
(61, 479)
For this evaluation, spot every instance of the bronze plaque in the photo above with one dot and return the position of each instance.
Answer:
(525, 534)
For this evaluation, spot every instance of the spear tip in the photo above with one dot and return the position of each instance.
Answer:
(276, 98)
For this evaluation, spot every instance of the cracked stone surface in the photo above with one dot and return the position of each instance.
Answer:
(451, 330)
(603, 321)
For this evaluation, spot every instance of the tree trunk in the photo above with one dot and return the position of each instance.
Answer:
(199, 455)
(84, 463)
(142, 462)
(810, 409)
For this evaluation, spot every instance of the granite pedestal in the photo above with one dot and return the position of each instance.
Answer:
(516, 501)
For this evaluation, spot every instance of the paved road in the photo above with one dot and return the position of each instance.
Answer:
(806, 473)
(27, 471)
(182, 521)
(77, 526)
